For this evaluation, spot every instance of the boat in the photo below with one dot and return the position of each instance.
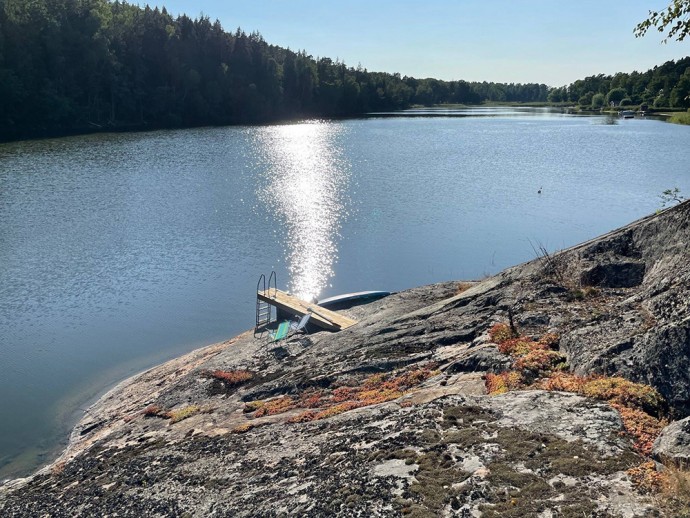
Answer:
(628, 114)
(352, 299)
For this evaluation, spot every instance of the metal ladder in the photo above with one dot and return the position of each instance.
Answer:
(264, 311)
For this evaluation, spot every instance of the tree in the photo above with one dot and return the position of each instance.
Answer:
(586, 99)
(598, 101)
(616, 95)
(557, 95)
(680, 95)
(675, 18)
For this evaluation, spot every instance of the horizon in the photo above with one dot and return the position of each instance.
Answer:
(494, 41)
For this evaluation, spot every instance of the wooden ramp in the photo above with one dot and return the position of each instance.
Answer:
(322, 317)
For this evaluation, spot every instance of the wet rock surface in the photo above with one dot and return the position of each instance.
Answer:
(179, 441)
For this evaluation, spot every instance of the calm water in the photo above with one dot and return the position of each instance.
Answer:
(120, 251)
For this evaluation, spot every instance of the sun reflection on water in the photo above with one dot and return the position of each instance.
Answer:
(307, 189)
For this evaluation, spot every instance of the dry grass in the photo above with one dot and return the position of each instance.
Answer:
(676, 487)
(464, 286)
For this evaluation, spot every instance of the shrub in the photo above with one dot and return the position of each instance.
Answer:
(639, 405)
(338, 409)
(499, 333)
(343, 394)
(231, 378)
(311, 400)
(563, 381)
(154, 411)
(183, 413)
(242, 428)
(645, 476)
(540, 361)
(626, 393)
(275, 406)
(643, 427)
(377, 388)
(518, 346)
(501, 383)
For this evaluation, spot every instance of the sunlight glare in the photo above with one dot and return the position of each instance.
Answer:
(307, 189)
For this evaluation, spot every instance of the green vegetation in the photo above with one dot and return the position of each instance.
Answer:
(675, 18)
(75, 66)
(71, 66)
(680, 118)
(665, 86)
(671, 196)
(536, 364)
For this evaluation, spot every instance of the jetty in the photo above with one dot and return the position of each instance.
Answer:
(288, 304)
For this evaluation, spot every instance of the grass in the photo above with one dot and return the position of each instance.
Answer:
(680, 118)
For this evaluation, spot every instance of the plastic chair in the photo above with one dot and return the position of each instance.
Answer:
(301, 326)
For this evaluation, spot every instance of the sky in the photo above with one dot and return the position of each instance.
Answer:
(508, 41)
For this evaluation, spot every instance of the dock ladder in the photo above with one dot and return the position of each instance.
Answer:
(264, 310)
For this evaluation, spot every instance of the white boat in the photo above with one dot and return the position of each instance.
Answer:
(353, 298)
(628, 114)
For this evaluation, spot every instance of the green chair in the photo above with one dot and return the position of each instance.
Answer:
(281, 332)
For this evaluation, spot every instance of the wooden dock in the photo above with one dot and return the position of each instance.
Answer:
(322, 317)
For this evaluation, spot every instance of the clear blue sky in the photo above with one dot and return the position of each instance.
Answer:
(541, 41)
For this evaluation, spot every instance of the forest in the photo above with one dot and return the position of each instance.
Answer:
(73, 66)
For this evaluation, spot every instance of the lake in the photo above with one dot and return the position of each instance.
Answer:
(120, 251)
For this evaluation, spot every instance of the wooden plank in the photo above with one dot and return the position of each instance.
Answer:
(322, 317)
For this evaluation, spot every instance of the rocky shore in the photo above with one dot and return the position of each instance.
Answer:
(391, 417)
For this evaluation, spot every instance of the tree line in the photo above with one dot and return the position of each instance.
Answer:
(74, 65)
(70, 66)
(665, 86)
